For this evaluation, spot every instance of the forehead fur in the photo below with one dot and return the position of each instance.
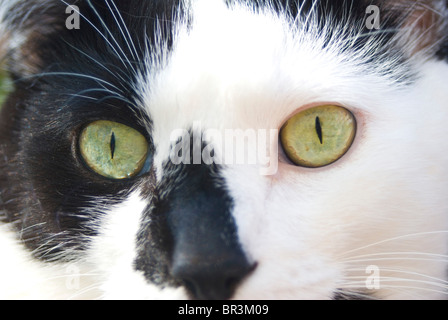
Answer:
(420, 24)
(243, 60)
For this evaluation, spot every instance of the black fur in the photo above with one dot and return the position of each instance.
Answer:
(193, 243)
(46, 189)
(443, 52)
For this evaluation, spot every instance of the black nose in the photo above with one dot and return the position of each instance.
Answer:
(206, 255)
(212, 277)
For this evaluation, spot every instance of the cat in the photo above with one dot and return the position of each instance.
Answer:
(211, 149)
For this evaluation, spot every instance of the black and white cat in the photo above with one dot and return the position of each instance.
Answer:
(119, 179)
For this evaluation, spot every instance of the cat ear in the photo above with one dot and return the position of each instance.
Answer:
(23, 24)
(423, 24)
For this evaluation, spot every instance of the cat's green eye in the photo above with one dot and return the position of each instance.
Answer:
(113, 150)
(318, 136)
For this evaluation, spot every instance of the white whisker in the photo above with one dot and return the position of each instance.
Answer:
(349, 294)
(441, 282)
(407, 287)
(126, 36)
(102, 34)
(395, 258)
(418, 234)
(115, 74)
(385, 279)
(399, 255)
(71, 74)
(111, 34)
(85, 290)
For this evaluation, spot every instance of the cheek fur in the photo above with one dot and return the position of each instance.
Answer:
(114, 251)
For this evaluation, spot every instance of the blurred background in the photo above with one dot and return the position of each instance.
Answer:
(5, 86)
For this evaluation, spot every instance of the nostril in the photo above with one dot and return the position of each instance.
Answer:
(190, 286)
(212, 282)
(232, 282)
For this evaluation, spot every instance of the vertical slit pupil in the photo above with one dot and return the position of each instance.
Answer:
(319, 130)
(112, 145)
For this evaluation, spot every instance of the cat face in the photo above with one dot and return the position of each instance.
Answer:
(224, 149)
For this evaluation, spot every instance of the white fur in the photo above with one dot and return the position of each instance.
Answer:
(386, 198)
(383, 204)
(114, 252)
(22, 277)
(311, 231)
